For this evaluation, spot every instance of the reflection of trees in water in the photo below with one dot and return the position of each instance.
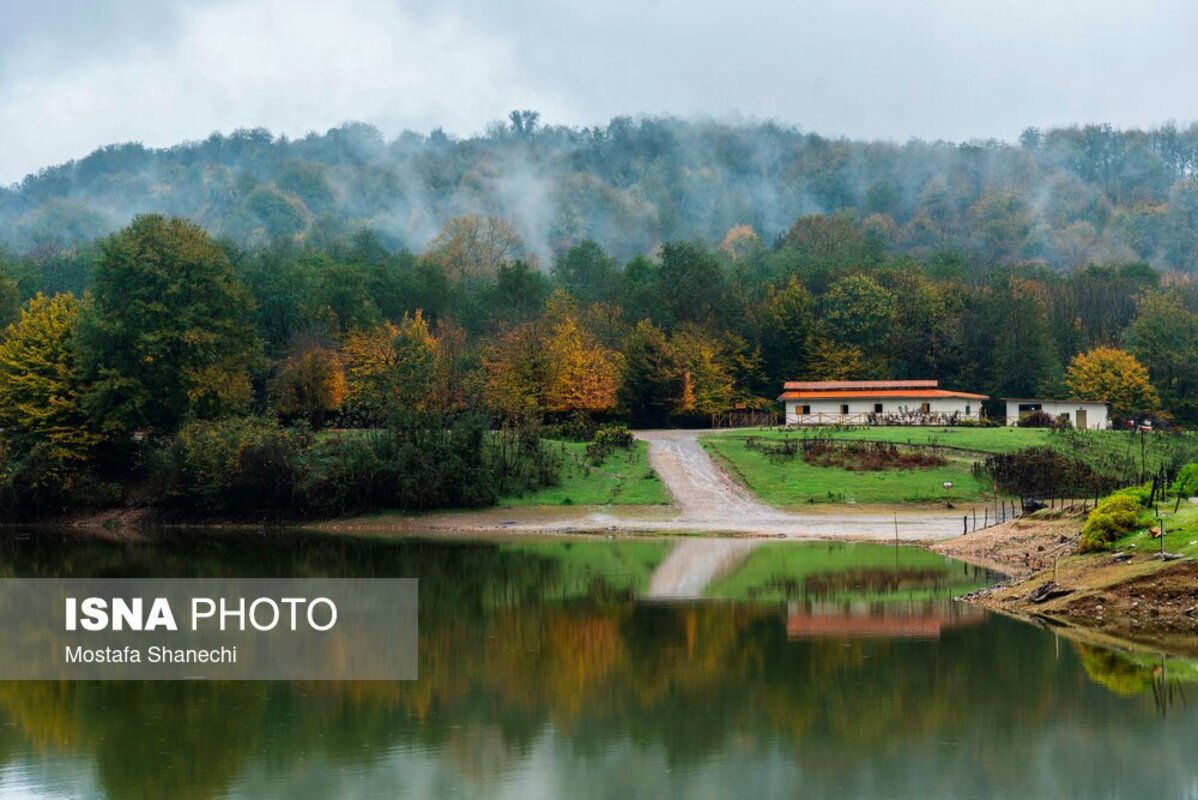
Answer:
(511, 645)
(1138, 673)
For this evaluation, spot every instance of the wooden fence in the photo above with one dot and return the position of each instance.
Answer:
(745, 419)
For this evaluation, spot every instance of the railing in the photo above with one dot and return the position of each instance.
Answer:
(932, 418)
(745, 419)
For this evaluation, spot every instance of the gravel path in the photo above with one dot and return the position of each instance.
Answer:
(706, 500)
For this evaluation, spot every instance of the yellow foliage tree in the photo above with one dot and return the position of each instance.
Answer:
(40, 383)
(368, 357)
(518, 372)
(392, 369)
(584, 375)
(707, 384)
(1113, 375)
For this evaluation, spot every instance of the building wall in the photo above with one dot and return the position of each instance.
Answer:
(1096, 413)
(829, 412)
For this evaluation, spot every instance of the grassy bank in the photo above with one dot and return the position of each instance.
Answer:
(624, 478)
(1137, 598)
(795, 482)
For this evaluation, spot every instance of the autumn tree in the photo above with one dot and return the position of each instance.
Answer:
(170, 335)
(1113, 375)
(41, 387)
(708, 385)
(740, 241)
(475, 245)
(310, 384)
(392, 371)
(518, 370)
(583, 374)
(368, 357)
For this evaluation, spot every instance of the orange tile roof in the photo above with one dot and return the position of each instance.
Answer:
(925, 394)
(819, 386)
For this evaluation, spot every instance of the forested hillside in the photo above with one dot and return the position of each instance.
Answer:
(1066, 197)
(654, 273)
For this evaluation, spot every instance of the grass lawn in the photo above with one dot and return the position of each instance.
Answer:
(795, 482)
(862, 572)
(1181, 532)
(625, 478)
(997, 440)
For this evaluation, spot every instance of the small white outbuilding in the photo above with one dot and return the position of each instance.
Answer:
(1086, 414)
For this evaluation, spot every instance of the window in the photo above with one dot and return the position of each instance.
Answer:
(877, 408)
(968, 409)
(806, 411)
(1027, 408)
(844, 408)
(925, 408)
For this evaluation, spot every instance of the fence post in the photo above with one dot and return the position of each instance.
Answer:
(965, 522)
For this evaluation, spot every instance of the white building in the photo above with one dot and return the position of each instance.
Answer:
(877, 403)
(1090, 414)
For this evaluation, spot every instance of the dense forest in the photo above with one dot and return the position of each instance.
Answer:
(1065, 197)
(422, 296)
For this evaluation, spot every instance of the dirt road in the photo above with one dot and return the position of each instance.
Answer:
(706, 500)
(702, 490)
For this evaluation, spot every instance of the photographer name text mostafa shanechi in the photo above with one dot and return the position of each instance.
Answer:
(263, 614)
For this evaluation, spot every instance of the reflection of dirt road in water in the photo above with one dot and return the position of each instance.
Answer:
(693, 563)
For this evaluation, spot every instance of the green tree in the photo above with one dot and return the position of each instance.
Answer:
(587, 272)
(1164, 338)
(651, 385)
(170, 335)
(788, 317)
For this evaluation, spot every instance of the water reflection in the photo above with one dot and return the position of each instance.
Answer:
(542, 675)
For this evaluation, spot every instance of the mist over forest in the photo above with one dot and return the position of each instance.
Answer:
(1065, 197)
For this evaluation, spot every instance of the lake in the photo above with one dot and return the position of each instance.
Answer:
(813, 669)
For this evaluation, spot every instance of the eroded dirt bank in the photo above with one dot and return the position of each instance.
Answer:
(1141, 600)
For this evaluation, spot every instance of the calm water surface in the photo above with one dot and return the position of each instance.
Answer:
(812, 669)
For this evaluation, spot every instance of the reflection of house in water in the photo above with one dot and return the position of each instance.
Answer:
(894, 620)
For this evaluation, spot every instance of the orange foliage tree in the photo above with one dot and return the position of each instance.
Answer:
(311, 383)
(1113, 375)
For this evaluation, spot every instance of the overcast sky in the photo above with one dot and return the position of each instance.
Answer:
(76, 74)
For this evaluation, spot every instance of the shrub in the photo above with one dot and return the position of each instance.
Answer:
(1044, 472)
(1112, 519)
(607, 440)
(1186, 484)
(1041, 419)
(239, 466)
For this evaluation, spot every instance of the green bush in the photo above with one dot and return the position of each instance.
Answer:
(607, 440)
(1186, 484)
(245, 465)
(1112, 519)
